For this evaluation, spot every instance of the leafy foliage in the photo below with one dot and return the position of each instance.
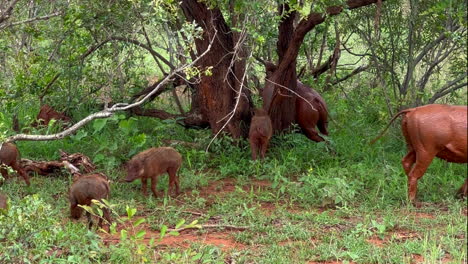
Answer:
(322, 202)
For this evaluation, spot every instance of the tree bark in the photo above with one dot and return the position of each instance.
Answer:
(217, 92)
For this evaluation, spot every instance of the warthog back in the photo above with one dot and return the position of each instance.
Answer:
(10, 156)
(153, 162)
(87, 188)
(260, 133)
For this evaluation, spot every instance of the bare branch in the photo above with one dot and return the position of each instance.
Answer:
(189, 120)
(209, 226)
(449, 87)
(430, 46)
(437, 60)
(129, 40)
(5, 14)
(34, 19)
(161, 68)
(41, 97)
(176, 99)
(354, 72)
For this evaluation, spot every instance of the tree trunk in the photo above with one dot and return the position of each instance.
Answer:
(279, 93)
(283, 112)
(217, 93)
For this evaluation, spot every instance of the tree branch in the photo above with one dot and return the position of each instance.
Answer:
(231, 227)
(5, 15)
(34, 19)
(354, 72)
(446, 88)
(176, 98)
(307, 24)
(188, 120)
(129, 40)
(430, 46)
(437, 60)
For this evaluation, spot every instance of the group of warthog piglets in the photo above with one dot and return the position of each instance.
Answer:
(430, 131)
(148, 164)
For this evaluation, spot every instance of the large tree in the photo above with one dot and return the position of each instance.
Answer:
(218, 92)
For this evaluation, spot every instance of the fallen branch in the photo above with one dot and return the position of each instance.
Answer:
(71, 162)
(41, 167)
(231, 227)
(78, 160)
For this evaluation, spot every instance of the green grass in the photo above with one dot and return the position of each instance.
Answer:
(304, 202)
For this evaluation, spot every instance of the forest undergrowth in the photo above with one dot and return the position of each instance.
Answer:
(338, 202)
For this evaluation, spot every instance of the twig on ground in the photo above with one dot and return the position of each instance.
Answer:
(210, 226)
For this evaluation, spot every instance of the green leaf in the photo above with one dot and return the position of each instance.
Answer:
(140, 234)
(151, 242)
(139, 222)
(87, 208)
(139, 139)
(180, 223)
(130, 212)
(99, 124)
(194, 222)
(123, 234)
(79, 136)
(99, 212)
(113, 228)
(197, 256)
(98, 158)
(162, 233)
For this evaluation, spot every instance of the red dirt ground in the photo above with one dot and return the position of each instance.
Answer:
(223, 239)
(418, 259)
(399, 235)
(222, 187)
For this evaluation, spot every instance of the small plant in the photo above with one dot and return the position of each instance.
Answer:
(329, 187)
(28, 229)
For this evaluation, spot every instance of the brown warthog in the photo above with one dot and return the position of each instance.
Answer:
(260, 133)
(10, 156)
(153, 162)
(47, 113)
(311, 112)
(432, 131)
(94, 186)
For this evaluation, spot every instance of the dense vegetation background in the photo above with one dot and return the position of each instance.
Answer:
(307, 201)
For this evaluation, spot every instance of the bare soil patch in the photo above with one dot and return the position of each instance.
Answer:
(399, 235)
(424, 215)
(417, 259)
(222, 239)
(403, 235)
(221, 188)
(376, 241)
